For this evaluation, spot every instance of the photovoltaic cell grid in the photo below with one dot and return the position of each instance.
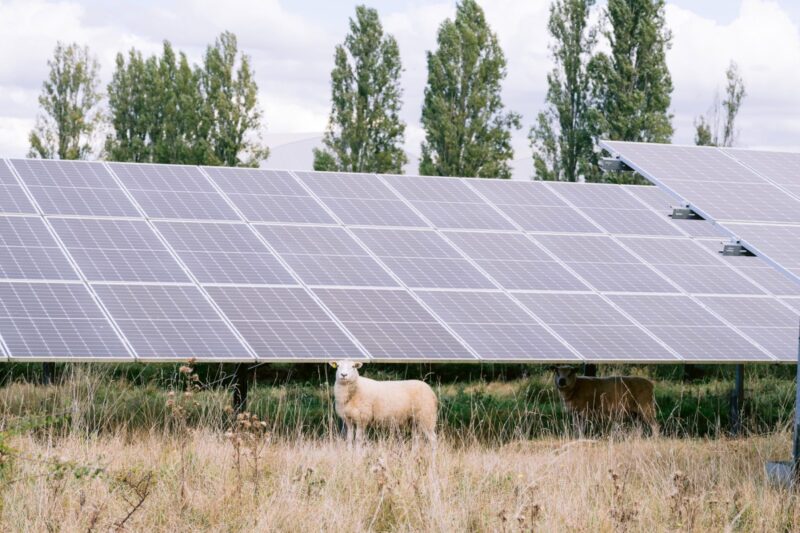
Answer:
(28, 251)
(215, 253)
(224, 253)
(595, 328)
(173, 191)
(496, 327)
(118, 250)
(12, 197)
(448, 203)
(56, 321)
(268, 195)
(360, 199)
(73, 188)
(392, 325)
(423, 259)
(284, 323)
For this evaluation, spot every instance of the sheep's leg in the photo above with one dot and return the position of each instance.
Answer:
(349, 434)
(649, 416)
(430, 434)
(359, 436)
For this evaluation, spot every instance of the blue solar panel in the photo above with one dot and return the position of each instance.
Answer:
(284, 323)
(56, 321)
(12, 197)
(326, 256)
(73, 188)
(118, 250)
(224, 253)
(391, 325)
(173, 191)
(268, 195)
(423, 259)
(28, 251)
(169, 323)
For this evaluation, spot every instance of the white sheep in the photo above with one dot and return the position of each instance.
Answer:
(361, 402)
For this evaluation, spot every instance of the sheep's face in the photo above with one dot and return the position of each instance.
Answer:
(346, 370)
(565, 376)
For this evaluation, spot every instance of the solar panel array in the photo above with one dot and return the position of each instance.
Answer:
(166, 262)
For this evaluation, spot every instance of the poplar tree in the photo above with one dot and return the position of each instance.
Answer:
(719, 127)
(365, 132)
(467, 130)
(632, 84)
(69, 101)
(562, 138)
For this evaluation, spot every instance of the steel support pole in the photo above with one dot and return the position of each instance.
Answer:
(48, 371)
(589, 370)
(737, 401)
(240, 388)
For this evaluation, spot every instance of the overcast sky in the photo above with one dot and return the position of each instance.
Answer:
(291, 45)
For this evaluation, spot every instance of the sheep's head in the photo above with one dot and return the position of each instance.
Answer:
(565, 376)
(346, 370)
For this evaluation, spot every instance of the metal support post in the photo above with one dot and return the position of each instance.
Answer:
(48, 371)
(240, 388)
(589, 370)
(737, 401)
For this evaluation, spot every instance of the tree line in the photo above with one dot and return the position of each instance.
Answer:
(162, 109)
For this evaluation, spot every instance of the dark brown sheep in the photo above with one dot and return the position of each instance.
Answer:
(610, 397)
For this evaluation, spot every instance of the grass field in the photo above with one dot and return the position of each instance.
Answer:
(99, 452)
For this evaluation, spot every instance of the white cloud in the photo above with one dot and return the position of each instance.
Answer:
(292, 54)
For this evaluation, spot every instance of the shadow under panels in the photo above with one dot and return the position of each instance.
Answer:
(360, 199)
(12, 196)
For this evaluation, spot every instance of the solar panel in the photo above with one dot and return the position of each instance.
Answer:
(495, 327)
(391, 325)
(448, 203)
(594, 328)
(422, 259)
(515, 262)
(118, 250)
(73, 188)
(690, 266)
(268, 195)
(687, 328)
(224, 253)
(171, 323)
(326, 256)
(284, 324)
(12, 197)
(779, 243)
(604, 264)
(173, 191)
(56, 321)
(779, 167)
(28, 251)
(711, 180)
(360, 199)
(764, 320)
(664, 203)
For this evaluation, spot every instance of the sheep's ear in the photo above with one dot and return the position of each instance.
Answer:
(358, 364)
(552, 368)
(332, 363)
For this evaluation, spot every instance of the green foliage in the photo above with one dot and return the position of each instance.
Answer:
(155, 106)
(231, 111)
(163, 110)
(365, 133)
(467, 131)
(719, 127)
(632, 84)
(69, 106)
(562, 138)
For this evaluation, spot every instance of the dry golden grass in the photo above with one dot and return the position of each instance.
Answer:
(192, 482)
